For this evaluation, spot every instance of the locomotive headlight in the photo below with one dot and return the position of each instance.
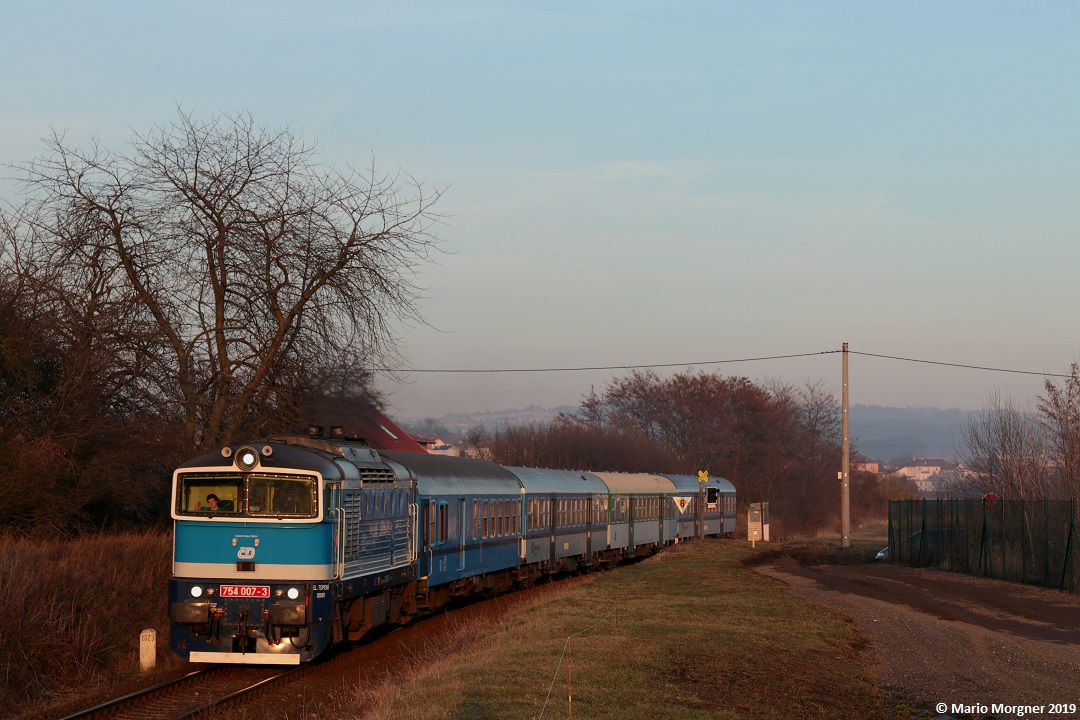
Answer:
(196, 591)
(246, 458)
(293, 593)
(278, 593)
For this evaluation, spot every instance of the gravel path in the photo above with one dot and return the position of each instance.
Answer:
(945, 638)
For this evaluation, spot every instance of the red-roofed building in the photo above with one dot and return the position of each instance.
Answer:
(379, 431)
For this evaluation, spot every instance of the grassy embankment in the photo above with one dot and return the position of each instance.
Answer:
(692, 633)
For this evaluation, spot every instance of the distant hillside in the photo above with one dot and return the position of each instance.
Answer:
(888, 434)
(457, 423)
(885, 434)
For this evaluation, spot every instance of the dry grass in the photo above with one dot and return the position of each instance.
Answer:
(73, 611)
(689, 634)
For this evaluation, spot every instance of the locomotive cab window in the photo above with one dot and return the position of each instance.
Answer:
(210, 494)
(281, 496)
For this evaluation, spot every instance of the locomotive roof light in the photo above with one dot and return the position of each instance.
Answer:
(267, 451)
(226, 452)
(196, 591)
(246, 458)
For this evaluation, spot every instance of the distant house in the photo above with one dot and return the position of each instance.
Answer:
(927, 473)
(861, 463)
(439, 446)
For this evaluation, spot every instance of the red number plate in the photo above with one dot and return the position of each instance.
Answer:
(245, 591)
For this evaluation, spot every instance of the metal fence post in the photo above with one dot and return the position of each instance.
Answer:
(1069, 542)
(1046, 542)
(1023, 542)
(1004, 544)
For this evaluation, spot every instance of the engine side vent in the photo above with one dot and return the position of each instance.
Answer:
(377, 475)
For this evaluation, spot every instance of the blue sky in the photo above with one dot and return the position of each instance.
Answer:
(633, 183)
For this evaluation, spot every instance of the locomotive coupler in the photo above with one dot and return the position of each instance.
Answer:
(242, 615)
(215, 624)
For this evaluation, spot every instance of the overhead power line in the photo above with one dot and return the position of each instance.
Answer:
(607, 367)
(959, 365)
(720, 362)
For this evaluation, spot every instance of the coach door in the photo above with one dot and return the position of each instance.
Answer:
(661, 512)
(461, 534)
(590, 507)
(551, 530)
(632, 513)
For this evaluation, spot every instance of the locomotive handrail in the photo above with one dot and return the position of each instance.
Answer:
(342, 529)
(414, 512)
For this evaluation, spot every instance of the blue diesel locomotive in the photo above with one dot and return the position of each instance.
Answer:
(287, 546)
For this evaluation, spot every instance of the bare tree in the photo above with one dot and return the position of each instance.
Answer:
(430, 428)
(476, 441)
(1060, 416)
(1005, 454)
(253, 266)
(569, 443)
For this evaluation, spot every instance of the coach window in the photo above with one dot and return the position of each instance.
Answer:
(443, 515)
(484, 516)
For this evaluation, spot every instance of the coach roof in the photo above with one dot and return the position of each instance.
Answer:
(446, 475)
(636, 483)
(543, 480)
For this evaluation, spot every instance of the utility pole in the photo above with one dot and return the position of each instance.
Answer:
(845, 499)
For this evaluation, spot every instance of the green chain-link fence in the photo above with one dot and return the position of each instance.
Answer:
(1028, 541)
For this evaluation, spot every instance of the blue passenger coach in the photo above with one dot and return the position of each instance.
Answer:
(469, 525)
(565, 518)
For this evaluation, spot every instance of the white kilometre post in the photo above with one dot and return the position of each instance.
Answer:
(147, 650)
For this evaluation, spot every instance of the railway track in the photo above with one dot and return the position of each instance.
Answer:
(204, 692)
(196, 694)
